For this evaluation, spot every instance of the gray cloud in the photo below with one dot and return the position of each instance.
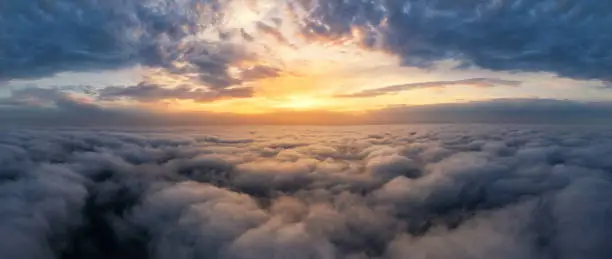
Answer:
(35, 97)
(41, 38)
(147, 92)
(476, 82)
(52, 106)
(44, 37)
(272, 32)
(500, 111)
(418, 191)
(562, 37)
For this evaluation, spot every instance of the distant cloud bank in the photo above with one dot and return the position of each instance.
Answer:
(44, 107)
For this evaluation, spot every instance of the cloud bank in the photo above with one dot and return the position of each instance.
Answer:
(307, 192)
(26, 108)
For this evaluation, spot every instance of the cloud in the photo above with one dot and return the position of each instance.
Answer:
(562, 37)
(192, 36)
(211, 62)
(476, 82)
(52, 106)
(499, 111)
(42, 38)
(84, 35)
(259, 72)
(152, 93)
(274, 33)
(348, 192)
(47, 97)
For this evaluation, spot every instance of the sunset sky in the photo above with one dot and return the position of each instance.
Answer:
(305, 129)
(261, 58)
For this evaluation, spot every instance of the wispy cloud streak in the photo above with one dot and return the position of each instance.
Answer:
(475, 82)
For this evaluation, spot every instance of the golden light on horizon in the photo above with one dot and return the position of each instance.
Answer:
(300, 103)
(307, 74)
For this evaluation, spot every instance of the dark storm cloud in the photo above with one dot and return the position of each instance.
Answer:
(152, 93)
(476, 82)
(354, 192)
(563, 37)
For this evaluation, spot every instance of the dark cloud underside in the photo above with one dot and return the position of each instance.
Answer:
(563, 37)
(40, 38)
(44, 37)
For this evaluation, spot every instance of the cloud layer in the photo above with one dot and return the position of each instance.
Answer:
(307, 192)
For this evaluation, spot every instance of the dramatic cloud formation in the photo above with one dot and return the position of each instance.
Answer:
(476, 82)
(110, 144)
(562, 37)
(44, 37)
(307, 192)
(41, 38)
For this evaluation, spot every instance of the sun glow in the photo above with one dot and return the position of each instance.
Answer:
(300, 103)
(298, 72)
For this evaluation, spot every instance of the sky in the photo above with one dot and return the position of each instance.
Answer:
(304, 61)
